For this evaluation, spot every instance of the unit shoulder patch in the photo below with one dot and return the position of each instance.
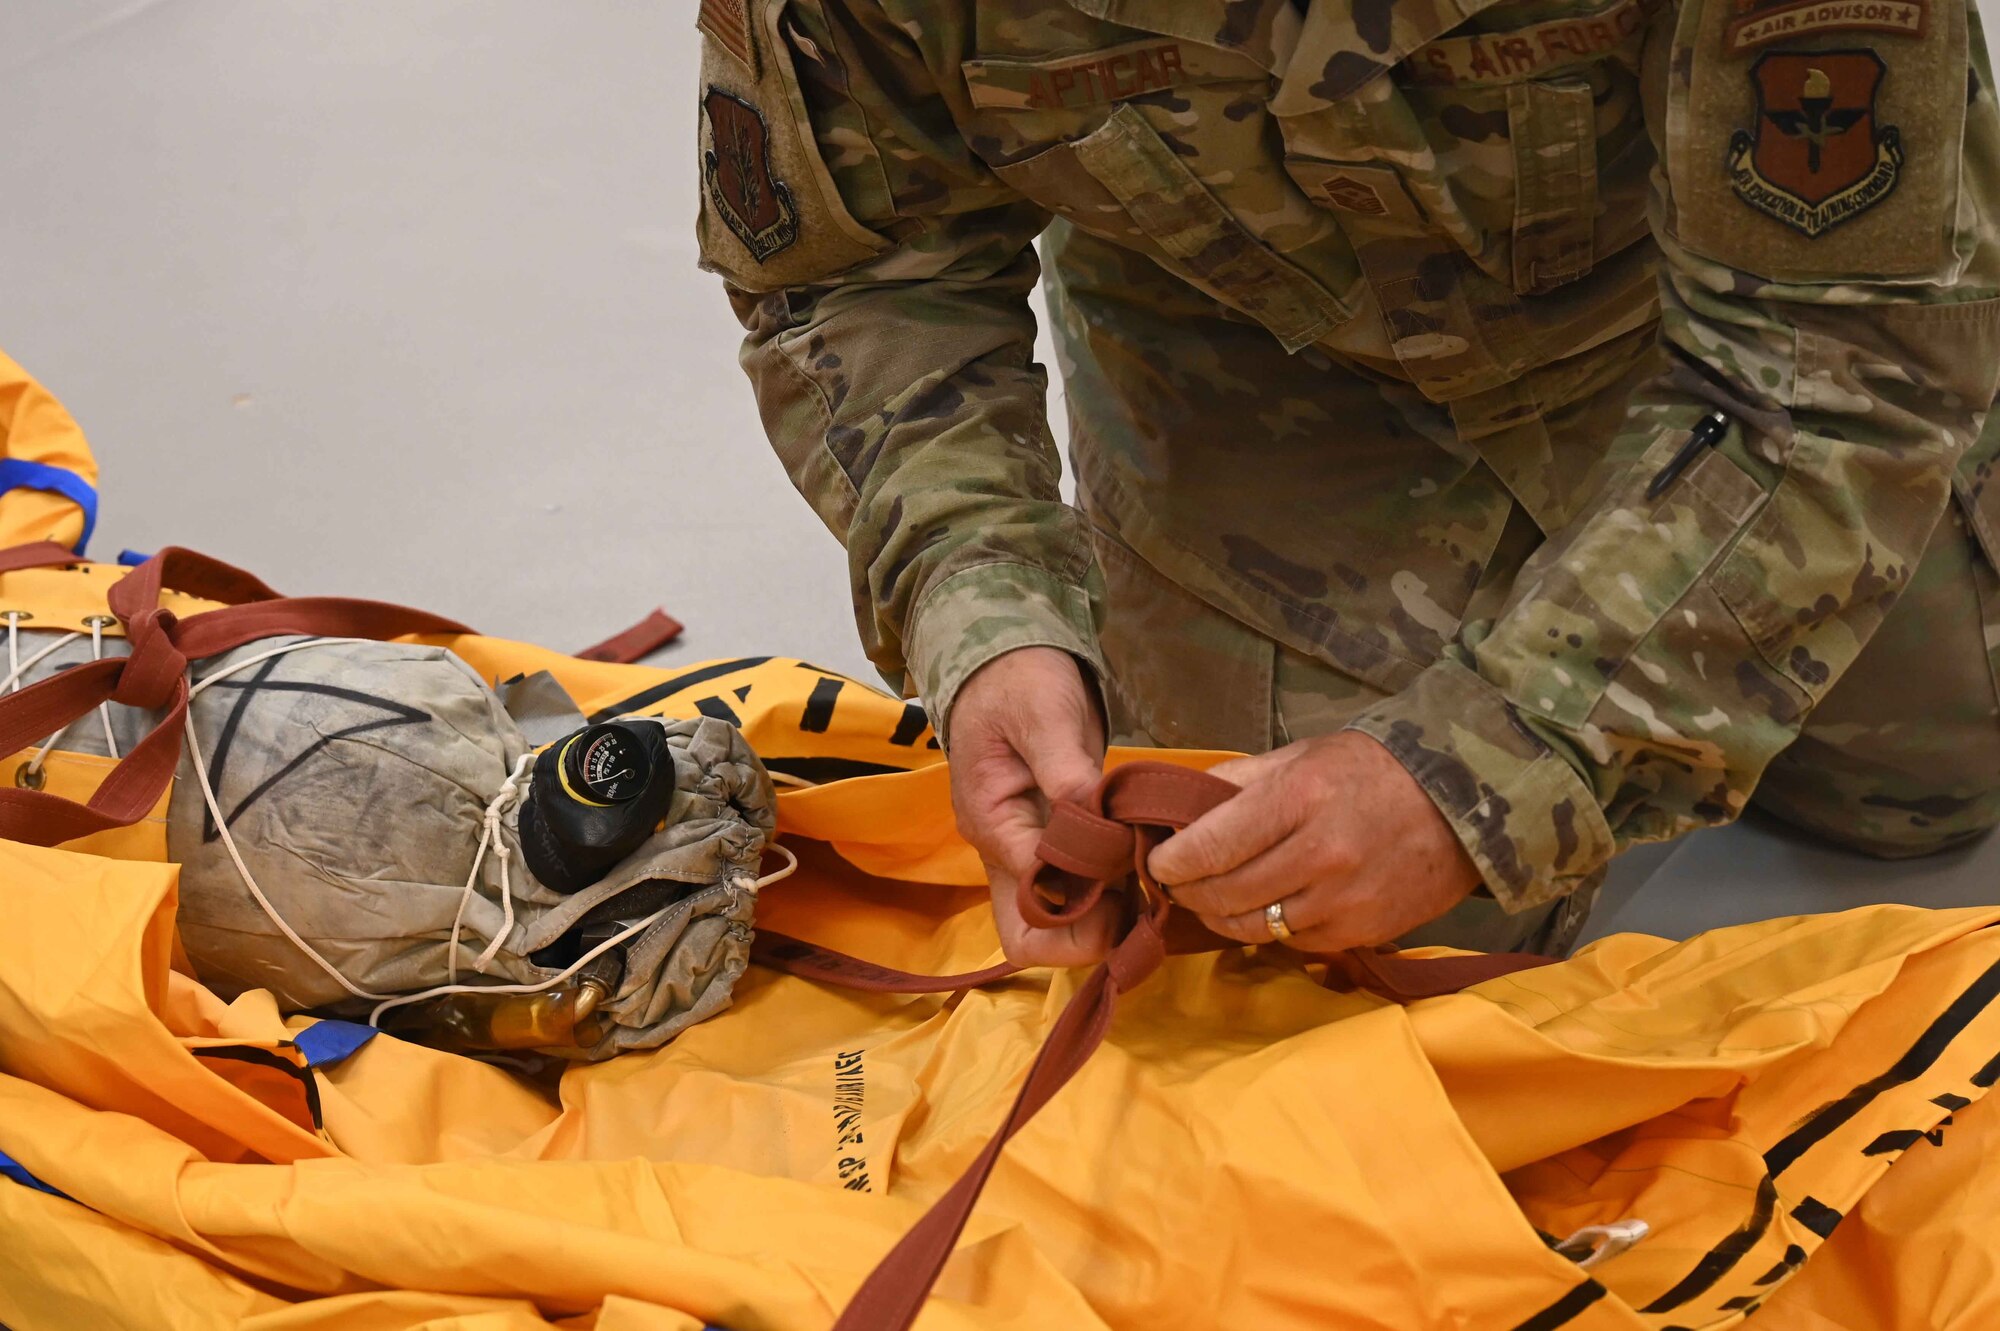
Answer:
(1760, 24)
(1816, 156)
(736, 166)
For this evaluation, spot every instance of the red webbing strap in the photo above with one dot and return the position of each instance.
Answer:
(636, 643)
(155, 676)
(184, 571)
(1088, 850)
(37, 554)
(894, 1292)
(1389, 973)
(810, 961)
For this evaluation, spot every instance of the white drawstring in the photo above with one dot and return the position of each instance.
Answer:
(97, 623)
(489, 836)
(750, 885)
(20, 667)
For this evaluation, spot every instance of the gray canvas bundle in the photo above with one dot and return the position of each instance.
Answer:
(355, 779)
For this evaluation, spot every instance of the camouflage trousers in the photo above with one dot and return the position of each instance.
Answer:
(1901, 758)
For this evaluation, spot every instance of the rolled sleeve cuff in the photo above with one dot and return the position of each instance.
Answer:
(980, 613)
(1520, 809)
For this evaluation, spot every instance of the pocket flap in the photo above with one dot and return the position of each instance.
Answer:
(1203, 238)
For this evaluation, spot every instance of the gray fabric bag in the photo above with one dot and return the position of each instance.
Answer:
(355, 779)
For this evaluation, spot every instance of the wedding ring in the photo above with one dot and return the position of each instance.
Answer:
(1274, 920)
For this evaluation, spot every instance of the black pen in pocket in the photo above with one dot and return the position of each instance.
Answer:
(1707, 433)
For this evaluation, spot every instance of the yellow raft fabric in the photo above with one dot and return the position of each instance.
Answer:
(34, 427)
(1248, 1149)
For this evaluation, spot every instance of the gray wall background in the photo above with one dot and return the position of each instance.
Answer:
(398, 298)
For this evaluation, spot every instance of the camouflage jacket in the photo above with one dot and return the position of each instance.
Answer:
(1492, 210)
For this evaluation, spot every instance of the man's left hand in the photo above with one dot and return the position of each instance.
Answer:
(1332, 827)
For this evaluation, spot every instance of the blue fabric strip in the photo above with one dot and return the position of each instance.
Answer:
(21, 474)
(326, 1042)
(133, 558)
(11, 1168)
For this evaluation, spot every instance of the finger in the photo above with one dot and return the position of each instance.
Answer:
(1252, 926)
(1222, 839)
(1293, 865)
(1256, 767)
(1335, 936)
(1314, 907)
(1076, 943)
(1011, 835)
(1063, 765)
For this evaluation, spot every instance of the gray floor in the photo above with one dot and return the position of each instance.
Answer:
(398, 298)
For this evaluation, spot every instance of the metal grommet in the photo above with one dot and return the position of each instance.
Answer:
(16, 616)
(30, 777)
(100, 621)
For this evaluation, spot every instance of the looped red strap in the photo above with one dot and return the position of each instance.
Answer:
(154, 676)
(1088, 850)
(155, 665)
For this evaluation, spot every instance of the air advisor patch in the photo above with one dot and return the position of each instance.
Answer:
(1816, 157)
(736, 163)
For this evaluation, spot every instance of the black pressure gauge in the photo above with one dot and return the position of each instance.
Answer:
(606, 765)
(594, 799)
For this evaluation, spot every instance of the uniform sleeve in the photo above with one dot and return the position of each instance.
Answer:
(1825, 207)
(883, 275)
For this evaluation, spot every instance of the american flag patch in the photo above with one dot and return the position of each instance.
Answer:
(728, 22)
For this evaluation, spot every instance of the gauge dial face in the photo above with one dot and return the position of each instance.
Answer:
(608, 766)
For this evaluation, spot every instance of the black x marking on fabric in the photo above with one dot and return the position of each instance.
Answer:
(399, 714)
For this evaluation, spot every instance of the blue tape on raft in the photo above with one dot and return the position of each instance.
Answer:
(21, 474)
(326, 1042)
(13, 1169)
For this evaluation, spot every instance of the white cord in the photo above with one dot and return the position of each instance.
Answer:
(753, 886)
(103, 708)
(201, 685)
(20, 667)
(13, 681)
(490, 833)
(509, 790)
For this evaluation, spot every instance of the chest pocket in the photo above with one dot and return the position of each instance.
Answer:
(1472, 169)
(1161, 200)
(1077, 135)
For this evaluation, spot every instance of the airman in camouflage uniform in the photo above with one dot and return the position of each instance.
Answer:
(1386, 327)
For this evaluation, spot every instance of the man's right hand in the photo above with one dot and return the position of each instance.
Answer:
(1026, 730)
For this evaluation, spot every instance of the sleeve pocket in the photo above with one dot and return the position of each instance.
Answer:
(1815, 573)
(1590, 599)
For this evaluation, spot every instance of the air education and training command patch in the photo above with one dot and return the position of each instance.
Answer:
(1816, 158)
(736, 164)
